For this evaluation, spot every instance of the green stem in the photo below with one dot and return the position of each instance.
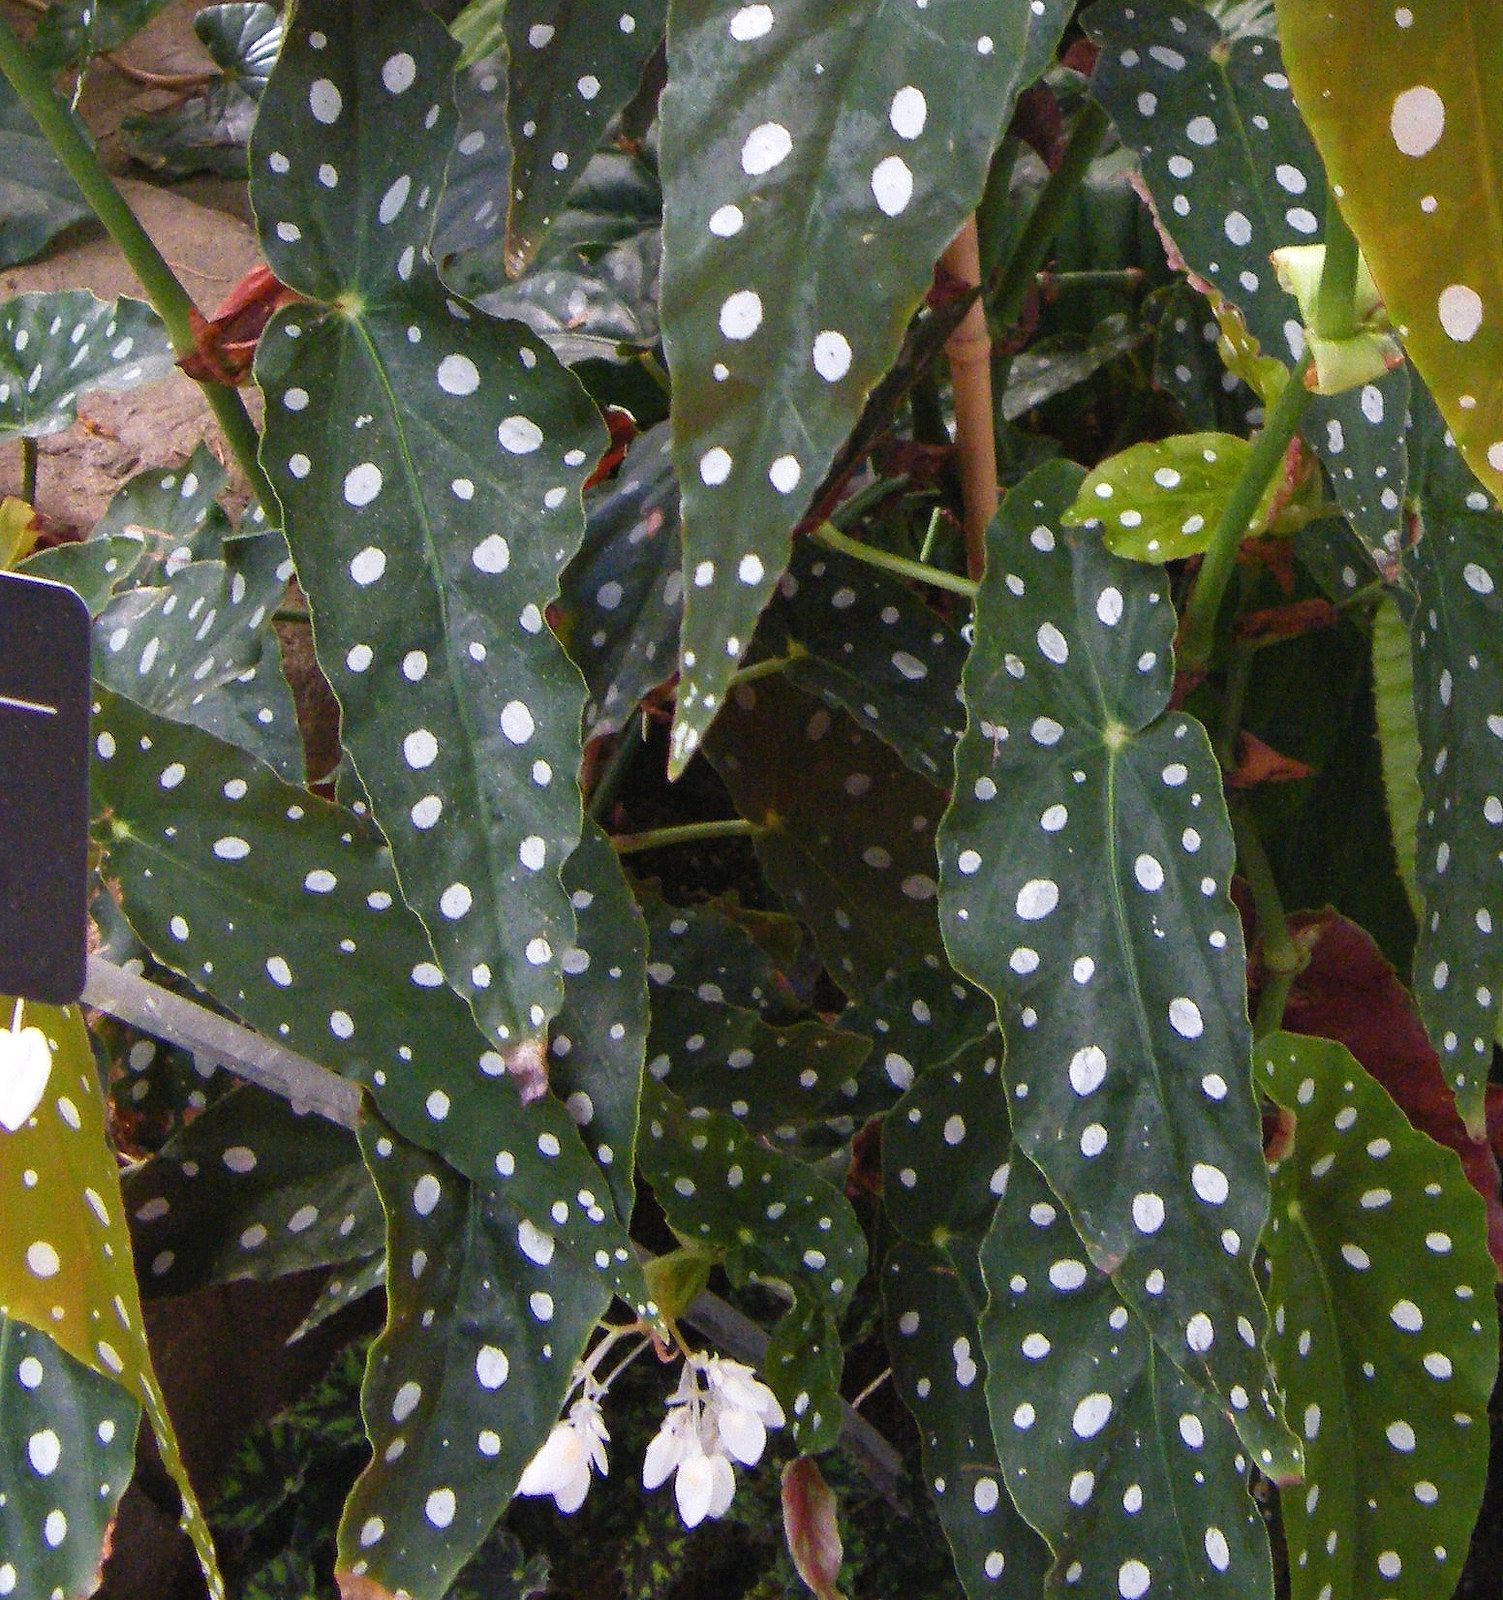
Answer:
(1335, 300)
(1221, 557)
(655, 370)
(29, 470)
(1010, 284)
(168, 297)
(763, 669)
(687, 833)
(850, 511)
(1283, 960)
(1128, 278)
(1233, 699)
(901, 565)
(291, 614)
(931, 533)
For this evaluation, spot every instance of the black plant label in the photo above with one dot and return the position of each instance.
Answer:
(44, 798)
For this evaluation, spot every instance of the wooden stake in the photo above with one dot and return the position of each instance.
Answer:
(969, 350)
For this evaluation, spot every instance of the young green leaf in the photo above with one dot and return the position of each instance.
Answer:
(54, 347)
(1457, 642)
(850, 831)
(1118, 970)
(455, 1403)
(815, 164)
(1160, 501)
(1130, 1471)
(67, 1452)
(286, 910)
(1408, 121)
(1385, 1332)
(429, 462)
(65, 1258)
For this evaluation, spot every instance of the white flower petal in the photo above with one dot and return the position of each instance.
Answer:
(723, 1485)
(742, 1434)
(694, 1488)
(664, 1452)
(554, 1463)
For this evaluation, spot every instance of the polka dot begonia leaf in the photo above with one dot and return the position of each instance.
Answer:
(934, 1344)
(709, 950)
(174, 511)
(484, 1324)
(200, 648)
(67, 1452)
(46, 200)
(572, 69)
(1404, 103)
(249, 1189)
(1385, 1332)
(1457, 653)
(1360, 435)
(286, 910)
(850, 840)
(1117, 969)
(350, 1283)
(93, 568)
(916, 1020)
(1233, 175)
(769, 1077)
(838, 149)
(1160, 501)
(775, 1219)
(55, 347)
(869, 646)
(623, 593)
(599, 1037)
(429, 461)
(65, 1255)
(1398, 740)
(1131, 1472)
(1223, 153)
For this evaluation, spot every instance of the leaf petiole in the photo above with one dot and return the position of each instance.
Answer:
(829, 535)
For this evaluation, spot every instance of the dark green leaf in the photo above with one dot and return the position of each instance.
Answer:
(1130, 1471)
(623, 593)
(871, 647)
(573, 67)
(1385, 1332)
(250, 1190)
(850, 840)
(392, 408)
(70, 31)
(286, 909)
(776, 1221)
(600, 1034)
(67, 1452)
(816, 161)
(1086, 863)
(456, 1404)
(37, 197)
(1457, 641)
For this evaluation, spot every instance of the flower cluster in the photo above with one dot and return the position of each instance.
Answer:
(719, 1414)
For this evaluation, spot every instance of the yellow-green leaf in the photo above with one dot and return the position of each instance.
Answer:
(65, 1256)
(1406, 105)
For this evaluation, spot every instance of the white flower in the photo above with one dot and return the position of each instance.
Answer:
(743, 1408)
(562, 1467)
(708, 1425)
